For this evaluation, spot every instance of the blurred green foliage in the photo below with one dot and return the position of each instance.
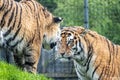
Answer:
(104, 15)
(70, 10)
(104, 18)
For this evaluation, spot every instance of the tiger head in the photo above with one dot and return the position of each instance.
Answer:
(52, 26)
(71, 44)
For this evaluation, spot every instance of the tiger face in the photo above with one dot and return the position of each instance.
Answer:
(69, 45)
(52, 31)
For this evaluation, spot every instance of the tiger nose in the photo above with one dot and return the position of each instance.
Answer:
(62, 54)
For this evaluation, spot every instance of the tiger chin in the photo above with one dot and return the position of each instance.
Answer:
(23, 26)
(94, 56)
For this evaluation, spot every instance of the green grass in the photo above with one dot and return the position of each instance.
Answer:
(10, 72)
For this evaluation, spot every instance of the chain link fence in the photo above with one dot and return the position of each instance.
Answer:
(104, 17)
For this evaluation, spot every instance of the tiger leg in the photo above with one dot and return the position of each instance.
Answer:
(19, 60)
(31, 60)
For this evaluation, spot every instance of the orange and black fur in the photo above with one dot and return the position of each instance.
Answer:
(22, 28)
(95, 57)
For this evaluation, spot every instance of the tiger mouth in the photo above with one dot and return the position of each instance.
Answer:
(69, 58)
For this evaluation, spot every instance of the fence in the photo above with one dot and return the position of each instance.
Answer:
(104, 17)
(47, 65)
(55, 68)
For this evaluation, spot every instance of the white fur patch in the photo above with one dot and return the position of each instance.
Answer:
(70, 37)
(53, 36)
(1, 38)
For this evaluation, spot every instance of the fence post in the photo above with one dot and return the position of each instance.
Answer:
(86, 14)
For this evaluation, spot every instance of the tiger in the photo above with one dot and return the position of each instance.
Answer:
(94, 56)
(23, 27)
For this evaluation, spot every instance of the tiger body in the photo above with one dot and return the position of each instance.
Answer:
(95, 57)
(22, 28)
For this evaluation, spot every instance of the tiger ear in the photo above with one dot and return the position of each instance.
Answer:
(84, 32)
(46, 12)
(45, 8)
(58, 19)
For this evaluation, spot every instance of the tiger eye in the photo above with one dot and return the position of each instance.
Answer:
(62, 35)
(69, 34)
(75, 37)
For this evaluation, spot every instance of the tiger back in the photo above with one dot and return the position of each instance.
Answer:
(23, 26)
(94, 56)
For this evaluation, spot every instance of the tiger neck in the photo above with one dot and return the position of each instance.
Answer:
(85, 69)
(80, 71)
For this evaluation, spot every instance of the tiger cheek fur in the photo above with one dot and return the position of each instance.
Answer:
(22, 28)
